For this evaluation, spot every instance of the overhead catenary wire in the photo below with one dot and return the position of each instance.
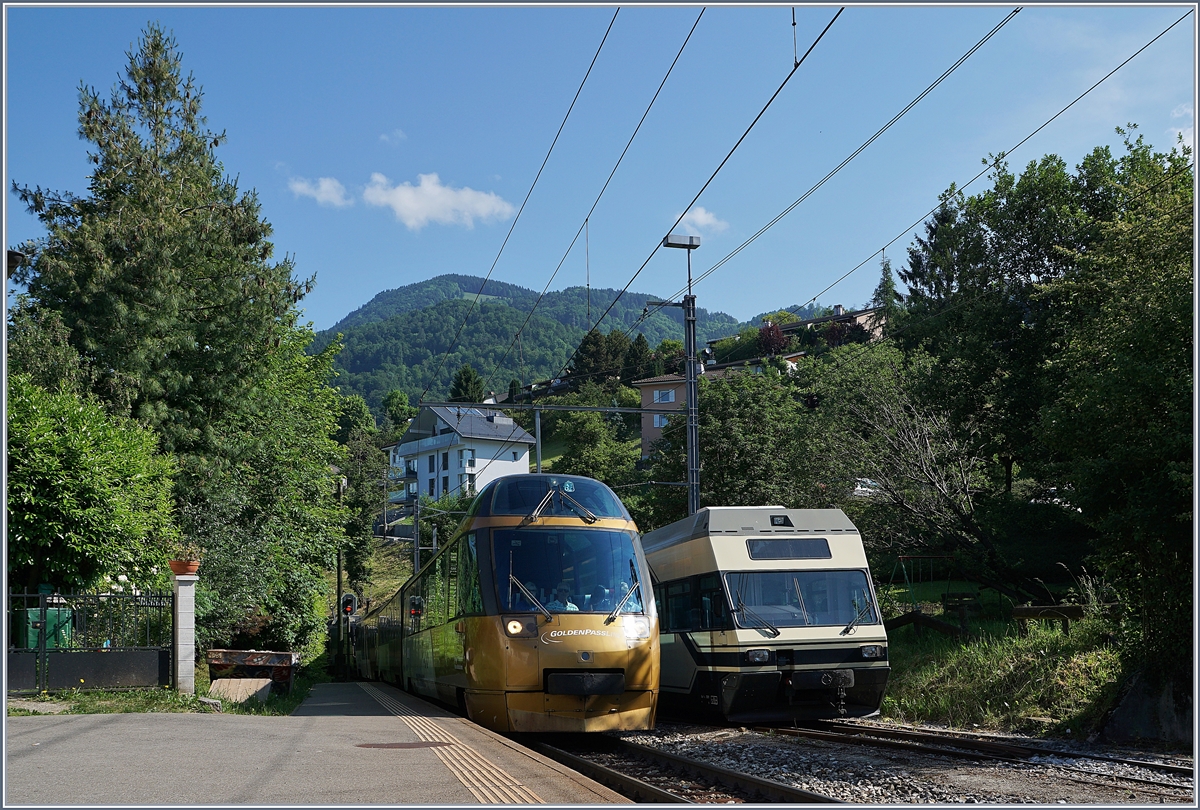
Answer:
(584, 227)
(711, 178)
(989, 165)
(532, 186)
(776, 219)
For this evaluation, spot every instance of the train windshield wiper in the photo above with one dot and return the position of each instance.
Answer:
(533, 600)
(637, 583)
(857, 618)
(745, 611)
(585, 514)
(537, 510)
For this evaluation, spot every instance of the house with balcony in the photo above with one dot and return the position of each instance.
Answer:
(455, 450)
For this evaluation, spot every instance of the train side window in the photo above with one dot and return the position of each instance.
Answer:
(714, 612)
(452, 606)
(470, 597)
(679, 606)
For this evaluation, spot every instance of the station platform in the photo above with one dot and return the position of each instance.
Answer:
(347, 744)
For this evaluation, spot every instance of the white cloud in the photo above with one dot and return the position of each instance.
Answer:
(1182, 110)
(430, 201)
(393, 137)
(327, 191)
(698, 219)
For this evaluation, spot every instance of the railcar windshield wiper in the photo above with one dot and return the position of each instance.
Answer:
(537, 510)
(533, 600)
(637, 583)
(857, 618)
(800, 597)
(745, 611)
(584, 513)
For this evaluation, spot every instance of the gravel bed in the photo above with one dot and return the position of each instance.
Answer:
(885, 776)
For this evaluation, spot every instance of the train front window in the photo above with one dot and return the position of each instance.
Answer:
(801, 598)
(566, 570)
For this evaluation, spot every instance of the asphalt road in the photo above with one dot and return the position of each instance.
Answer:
(314, 757)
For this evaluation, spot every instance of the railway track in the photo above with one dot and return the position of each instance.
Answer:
(646, 774)
(963, 747)
(966, 740)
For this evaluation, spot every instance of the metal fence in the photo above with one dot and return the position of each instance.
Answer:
(89, 641)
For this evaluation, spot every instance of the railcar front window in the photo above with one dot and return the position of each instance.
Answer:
(802, 598)
(566, 570)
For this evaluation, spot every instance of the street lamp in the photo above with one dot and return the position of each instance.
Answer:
(690, 243)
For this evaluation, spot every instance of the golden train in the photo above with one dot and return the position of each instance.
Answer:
(537, 615)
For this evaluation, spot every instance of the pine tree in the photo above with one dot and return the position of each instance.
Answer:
(162, 270)
(467, 385)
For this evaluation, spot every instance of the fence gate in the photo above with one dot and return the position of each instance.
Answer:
(88, 641)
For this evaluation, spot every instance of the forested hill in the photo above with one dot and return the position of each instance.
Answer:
(396, 340)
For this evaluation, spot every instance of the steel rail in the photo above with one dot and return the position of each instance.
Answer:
(627, 786)
(960, 752)
(961, 739)
(754, 786)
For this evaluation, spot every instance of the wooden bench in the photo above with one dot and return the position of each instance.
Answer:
(1061, 613)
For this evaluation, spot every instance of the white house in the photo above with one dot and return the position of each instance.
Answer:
(456, 450)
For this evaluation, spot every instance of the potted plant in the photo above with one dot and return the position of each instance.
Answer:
(185, 557)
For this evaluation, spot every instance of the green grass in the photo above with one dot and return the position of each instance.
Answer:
(1047, 682)
(168, 700)
(552, 450)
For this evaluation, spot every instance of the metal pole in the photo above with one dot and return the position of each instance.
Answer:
(339, 660)
(693, 398)
(417, 530)
(537, 434)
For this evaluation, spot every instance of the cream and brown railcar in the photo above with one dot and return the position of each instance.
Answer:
(537, 615)
(767, 614)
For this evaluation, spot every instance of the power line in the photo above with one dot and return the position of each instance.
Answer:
(958, 63)
(584, 227)
(471, 309)
(710, 179)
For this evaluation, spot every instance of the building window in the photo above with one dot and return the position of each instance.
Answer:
(471, 481)
(445, 484)
(514, 452)
(431, 462)
(660, 420)
(460, 458)
(664, 395)
(445, 461)
(430, 487)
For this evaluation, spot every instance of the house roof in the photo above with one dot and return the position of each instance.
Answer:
(471, 423)
(674, 378)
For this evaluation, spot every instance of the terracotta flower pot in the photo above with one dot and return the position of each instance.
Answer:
(184, 566)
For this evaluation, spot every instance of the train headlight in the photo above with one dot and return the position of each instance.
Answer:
(873, 650)
(758, 656)
(636, 627)
(520, 626)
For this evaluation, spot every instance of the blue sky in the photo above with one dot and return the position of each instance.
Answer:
(392, 144)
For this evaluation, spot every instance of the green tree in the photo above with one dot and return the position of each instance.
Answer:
(397, 409)
(637, 360)
(1119, 426)
(88, 495)
(353, 416)
(162, 270)
(39, 346)
(514, 389)
(593, 362)
(269, 515)
(163, 275)
(467, 385)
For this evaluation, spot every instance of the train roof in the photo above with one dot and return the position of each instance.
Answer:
(748, 520)
(520, 494)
